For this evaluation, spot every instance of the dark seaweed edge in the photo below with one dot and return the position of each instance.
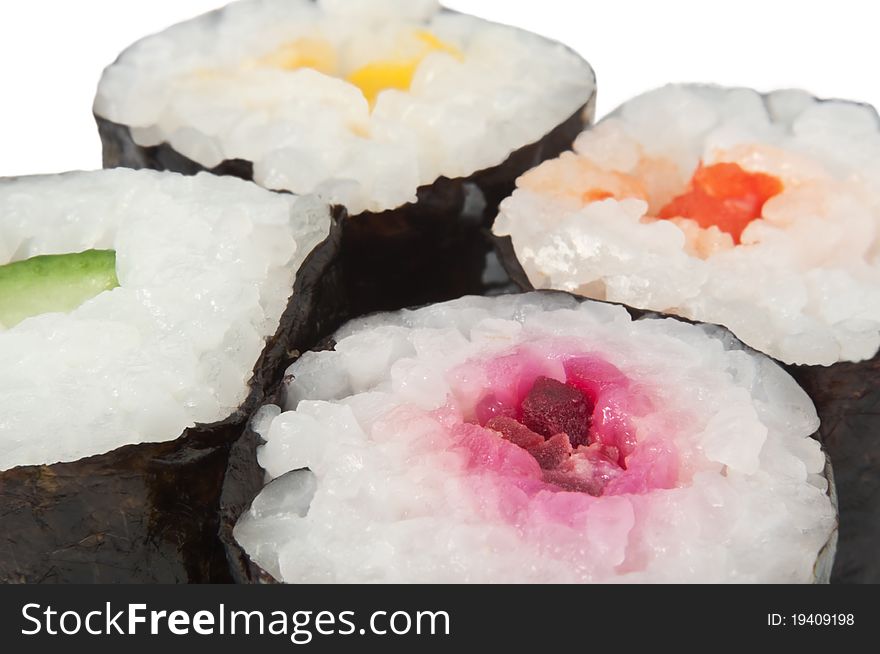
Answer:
(510, 263)
(319, 308)
(823, 571)
(119, 150)
(251, 572)
(847, 398)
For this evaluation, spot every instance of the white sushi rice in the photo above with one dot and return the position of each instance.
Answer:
(205, 265)
(804, 286)
(199, 87)
(386, 500)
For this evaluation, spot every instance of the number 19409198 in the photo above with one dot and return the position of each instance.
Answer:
(811, 620)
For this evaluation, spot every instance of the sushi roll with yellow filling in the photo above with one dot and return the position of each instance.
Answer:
(415, 119)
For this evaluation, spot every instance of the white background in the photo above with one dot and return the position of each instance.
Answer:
(52, 53)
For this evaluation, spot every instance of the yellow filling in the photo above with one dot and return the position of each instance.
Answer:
(372, 79)
(398, 74)
(379, 76)
(435, 44)
(317, 54)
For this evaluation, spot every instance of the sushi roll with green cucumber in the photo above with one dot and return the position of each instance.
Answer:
(414, 118)
(143, 315)
(539, 438)
(757, 212)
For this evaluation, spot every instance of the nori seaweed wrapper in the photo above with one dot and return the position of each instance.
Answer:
(149, 513)
(322, 309)
(249, 478)
(847, 396)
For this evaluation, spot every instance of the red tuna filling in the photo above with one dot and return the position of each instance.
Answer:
(552, 423)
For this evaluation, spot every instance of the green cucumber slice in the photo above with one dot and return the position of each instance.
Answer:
(54, 283)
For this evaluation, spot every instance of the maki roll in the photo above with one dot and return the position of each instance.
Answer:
(143, 317)
(723, 206)
(415, 119)
(360, 102)
(539, 438)
(759, 213)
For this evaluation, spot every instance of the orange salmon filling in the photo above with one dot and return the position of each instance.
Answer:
(724, 196)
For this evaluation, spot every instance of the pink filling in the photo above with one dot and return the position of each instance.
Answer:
(563, 424)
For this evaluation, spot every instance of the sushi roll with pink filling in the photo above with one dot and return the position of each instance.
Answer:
(535, 439)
